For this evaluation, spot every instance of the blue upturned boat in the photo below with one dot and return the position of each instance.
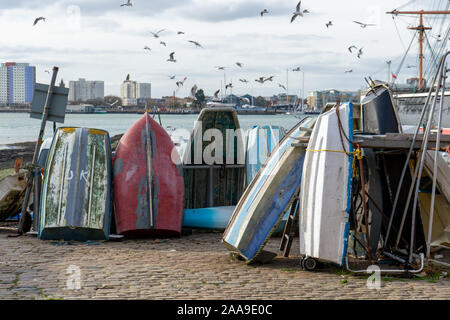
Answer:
(269, 195)
(76, 190)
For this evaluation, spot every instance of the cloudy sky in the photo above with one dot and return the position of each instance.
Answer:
(99, 40)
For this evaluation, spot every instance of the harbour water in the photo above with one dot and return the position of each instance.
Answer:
(19, 127)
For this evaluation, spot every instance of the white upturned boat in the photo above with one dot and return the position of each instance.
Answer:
(325, 195)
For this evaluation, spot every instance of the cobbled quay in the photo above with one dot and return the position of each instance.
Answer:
(192, 267)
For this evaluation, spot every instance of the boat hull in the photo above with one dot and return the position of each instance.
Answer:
(148, 182)
(12, 193)
(325, 197)
(75, 196)
(271, 192)
(261, 141)
(224, 183)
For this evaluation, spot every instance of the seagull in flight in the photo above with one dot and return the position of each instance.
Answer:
(269, 79)
(127, 4)
(349, 71)
(351, 47)
(37, 20)
(156, 35)
(196, 43)
(147, 48)
(263, 12)
(360, 52)
(180, 32)
(172, 59)
(329, 24)
(220, 68)
(230, 85)
(172, 77)
(298, 11)
(260, 80)
(239, 64)
(281, 86)
(243, 80)
(48, 71)
(296, 69)
(163, 43)
(194, 90)
(216, 94)
(363, 25)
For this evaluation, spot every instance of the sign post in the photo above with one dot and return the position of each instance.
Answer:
(24, 223)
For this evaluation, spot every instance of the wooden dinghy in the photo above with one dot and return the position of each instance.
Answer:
(12, 193)
(148, 183)
(223, 175)
(325, 196)
(76, 190)
(268, 196)
(261, 141)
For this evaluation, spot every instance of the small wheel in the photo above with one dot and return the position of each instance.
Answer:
(309, 264)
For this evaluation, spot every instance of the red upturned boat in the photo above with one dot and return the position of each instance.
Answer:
(148, 185)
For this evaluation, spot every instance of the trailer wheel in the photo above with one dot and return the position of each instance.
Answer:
(309, 264)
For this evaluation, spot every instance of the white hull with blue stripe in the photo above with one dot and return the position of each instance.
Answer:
(326, 188)
(270, 193)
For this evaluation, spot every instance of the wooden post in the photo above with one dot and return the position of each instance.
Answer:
(24, 213)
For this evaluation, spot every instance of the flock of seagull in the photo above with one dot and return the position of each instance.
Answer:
(299, 12)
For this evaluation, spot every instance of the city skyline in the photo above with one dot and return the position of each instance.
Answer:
(104, 41)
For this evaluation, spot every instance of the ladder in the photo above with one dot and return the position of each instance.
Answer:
(290, 228)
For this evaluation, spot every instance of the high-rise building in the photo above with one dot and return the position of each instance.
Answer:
(17, 83)
(83, 90)
(132, 91)
(318, 99)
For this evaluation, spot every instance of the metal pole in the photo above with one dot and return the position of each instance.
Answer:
(436, 154)
(22, 227)
(425, 144)
(405, 167)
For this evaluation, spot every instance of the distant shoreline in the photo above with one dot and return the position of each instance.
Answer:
(239, 112)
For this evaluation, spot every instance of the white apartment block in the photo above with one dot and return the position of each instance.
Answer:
(131, 91)
(83, 90)
(17, 83)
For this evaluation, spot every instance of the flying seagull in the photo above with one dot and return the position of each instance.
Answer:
(243, 80)
(329, 24)
(281, 86)
(246, 100)
(263, 12)
(147, 48)
(363, 25)
(216, 94)
(37, 20)
(163, 43)
(194, 90)
(239, 64)
(360, 52)
(127, 4)
(298, 11)
(172, 77)
(48, 71)
(296, 69)
(260, 80)
(179, 83)
(220, 68)
(269, 79)
(172, 59)
(349, 71)
(196, 43)
(180, 32)
(351, 47)
(230, 85)
(156, 35)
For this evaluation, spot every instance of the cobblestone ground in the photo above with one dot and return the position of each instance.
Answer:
(193, 267)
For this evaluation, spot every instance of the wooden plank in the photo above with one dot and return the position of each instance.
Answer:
(390, 141)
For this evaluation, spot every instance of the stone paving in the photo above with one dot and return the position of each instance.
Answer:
(193, 267)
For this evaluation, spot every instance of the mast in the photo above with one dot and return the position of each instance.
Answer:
(421, 29)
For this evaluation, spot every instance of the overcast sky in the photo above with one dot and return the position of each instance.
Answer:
(99, 40)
